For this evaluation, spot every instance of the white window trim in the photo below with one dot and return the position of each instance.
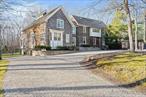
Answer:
(73, 30)
(95, 34)
(67, 38)
(95, 28)
(84, 29)
(61, 24)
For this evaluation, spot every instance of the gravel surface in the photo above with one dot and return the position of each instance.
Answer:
(58, 76)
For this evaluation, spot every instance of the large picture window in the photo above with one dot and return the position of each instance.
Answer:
(60, 23)
(57, 36)
(96, 30)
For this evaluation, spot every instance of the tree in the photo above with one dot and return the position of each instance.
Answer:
(12, 24)
(127, 10)
(117, 31)
(128, 6)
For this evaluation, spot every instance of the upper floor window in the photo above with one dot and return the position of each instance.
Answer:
(96, 30)
(74, 30)
(84, 29)
(60, 23)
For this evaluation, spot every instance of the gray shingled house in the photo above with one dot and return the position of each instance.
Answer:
(56, 28)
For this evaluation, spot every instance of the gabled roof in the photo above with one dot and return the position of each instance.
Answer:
(88, 22)
(48, 15)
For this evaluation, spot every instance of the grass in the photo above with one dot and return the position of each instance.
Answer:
(10, 55)
(3, 68)
(126, 68)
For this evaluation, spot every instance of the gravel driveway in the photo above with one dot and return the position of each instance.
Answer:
(58, 76)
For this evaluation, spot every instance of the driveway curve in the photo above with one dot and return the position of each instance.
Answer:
(58, 76)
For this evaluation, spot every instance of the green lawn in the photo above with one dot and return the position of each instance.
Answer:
(3, 68)
(10, 55)
(126, 68)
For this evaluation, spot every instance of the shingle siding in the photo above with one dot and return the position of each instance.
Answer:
(52, 22)
(80, 35)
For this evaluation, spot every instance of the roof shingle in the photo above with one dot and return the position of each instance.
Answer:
(89, 22)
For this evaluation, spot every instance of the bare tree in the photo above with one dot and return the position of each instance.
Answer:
(12, 24)
(130, 8)
(127, 10)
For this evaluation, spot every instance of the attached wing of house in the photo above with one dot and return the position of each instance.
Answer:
(89, 31)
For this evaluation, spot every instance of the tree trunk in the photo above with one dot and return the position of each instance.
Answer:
(136, 30)
(0, 53)
(0, 43)
(129, 26)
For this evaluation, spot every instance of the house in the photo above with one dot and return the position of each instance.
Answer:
(56, 28)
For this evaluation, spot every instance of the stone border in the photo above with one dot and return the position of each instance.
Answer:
(51, 52)
(102, 55)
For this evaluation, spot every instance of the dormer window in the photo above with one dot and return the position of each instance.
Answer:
(60, 23)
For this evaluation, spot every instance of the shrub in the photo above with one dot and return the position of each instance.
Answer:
(62, 48)
(40, 47)
(85, 45)
(48, 48)
(65, 47)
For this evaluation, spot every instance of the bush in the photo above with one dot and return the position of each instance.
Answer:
(85, 45)
(40, 47)
(48, 48)
(65, 47)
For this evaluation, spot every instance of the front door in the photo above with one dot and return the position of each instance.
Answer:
(57, 39)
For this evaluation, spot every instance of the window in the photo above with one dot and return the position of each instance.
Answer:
(32, 39)
(67, 38)
(74, 30)
(94, 41)
(96, 30)
(84, 29)
(42, 37)
(60, 23)
(57, 36)
(84, 40)
(74, 41)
